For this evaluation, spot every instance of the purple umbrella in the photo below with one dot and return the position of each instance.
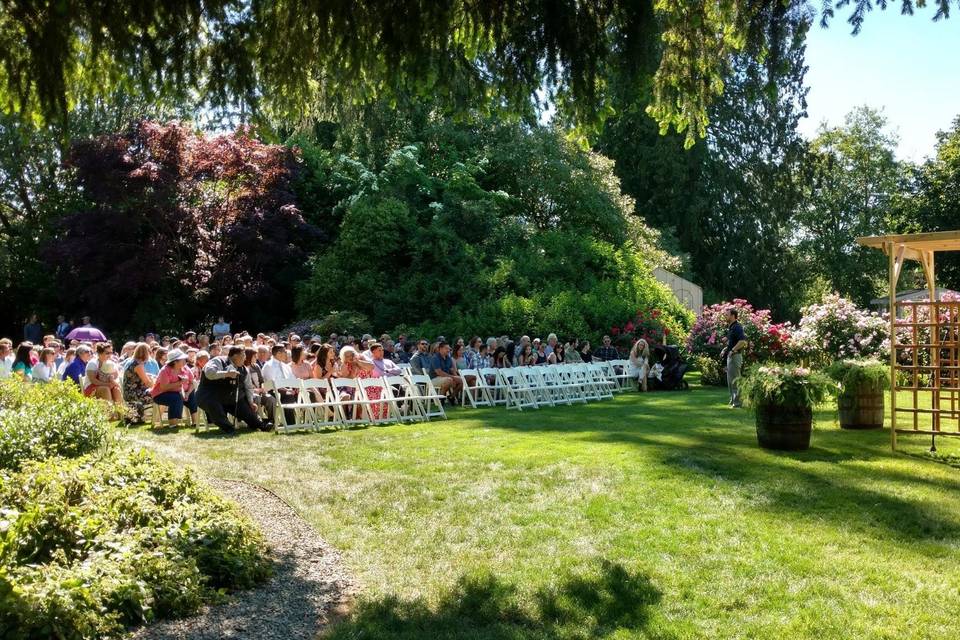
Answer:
(87, 334)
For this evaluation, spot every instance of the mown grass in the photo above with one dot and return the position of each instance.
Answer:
(649, 516)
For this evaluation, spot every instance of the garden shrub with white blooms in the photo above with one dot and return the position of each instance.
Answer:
(836, 328)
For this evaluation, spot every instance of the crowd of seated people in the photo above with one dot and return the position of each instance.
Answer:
(226, 375)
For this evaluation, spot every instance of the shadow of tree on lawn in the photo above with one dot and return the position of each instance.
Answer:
(481, 606)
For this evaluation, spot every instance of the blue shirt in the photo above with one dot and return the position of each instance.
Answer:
(734, 335)
(75, 371)
(439, 363)
(152, 367)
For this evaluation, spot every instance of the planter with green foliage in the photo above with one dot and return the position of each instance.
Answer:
(783, 398)
(861, 391)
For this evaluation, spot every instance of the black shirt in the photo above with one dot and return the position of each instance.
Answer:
(734, 335)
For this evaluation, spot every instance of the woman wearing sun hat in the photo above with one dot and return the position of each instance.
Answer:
(169, 386)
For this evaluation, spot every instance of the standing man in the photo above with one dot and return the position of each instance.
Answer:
(736, 343)
(33, 330)
(221, 328)
(63, 328)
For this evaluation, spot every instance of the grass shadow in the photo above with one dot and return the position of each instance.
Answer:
(607, 601)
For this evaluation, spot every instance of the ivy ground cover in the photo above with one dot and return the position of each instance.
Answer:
(649, 516)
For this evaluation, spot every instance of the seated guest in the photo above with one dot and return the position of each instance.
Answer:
(640, 363)
(481, 359)
(420, 361)
(607, 352)
(443, 373)
(351, 366)
(459, 356)
(278, 368)
(151, 366)
(585, 353)
(325, 366)
(68, 357)
(381, 368)
(527, 357)
(570, 352)
(405, 353)
(6, 357)
(23, 361)
(168, 388)
(262, 399)
(225, 389)
(298, 366)
(77, 369)
(137, 385)
(46, 368)
(539, 352)
(102, 379)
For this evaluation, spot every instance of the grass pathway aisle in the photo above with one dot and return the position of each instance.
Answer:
(649, 516)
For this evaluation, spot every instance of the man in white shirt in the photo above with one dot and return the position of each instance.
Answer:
(277, 368)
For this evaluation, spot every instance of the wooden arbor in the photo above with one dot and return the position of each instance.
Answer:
(924, 341)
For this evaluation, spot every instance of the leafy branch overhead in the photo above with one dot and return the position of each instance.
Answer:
(291, 59)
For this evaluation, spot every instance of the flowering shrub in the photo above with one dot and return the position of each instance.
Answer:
(785, 386)
(768, 340)
(653, 326)
(836, 329)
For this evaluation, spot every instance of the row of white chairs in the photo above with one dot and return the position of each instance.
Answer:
(341, 402)
(537, 386)
(409, 397)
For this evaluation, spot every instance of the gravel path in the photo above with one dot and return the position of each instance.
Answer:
(309, 589)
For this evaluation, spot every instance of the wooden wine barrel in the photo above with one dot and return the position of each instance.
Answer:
(786, 428)
(863, 409)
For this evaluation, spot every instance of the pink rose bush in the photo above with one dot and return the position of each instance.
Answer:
(768, 340)
(837, 329)
(651, 325)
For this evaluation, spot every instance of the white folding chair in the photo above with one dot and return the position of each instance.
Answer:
(518, 393)
(352, 405)
(541, 391)
(426, 394)
(380, 409)
(617, 370)
(476, 394)
(405, 397)
(321, 401)
(496, 391)
(581, 375)
(599, 375)
(302, 411)
(567, 391)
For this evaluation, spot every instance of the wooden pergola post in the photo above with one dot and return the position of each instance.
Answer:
(923, 335)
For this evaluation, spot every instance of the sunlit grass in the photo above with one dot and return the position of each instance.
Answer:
(647, 516)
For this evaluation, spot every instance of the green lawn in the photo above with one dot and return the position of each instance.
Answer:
(647, 516)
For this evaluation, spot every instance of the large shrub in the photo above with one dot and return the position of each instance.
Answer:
(38, 421)
(93, 545)
(768, 340)
(836, 328)
(484, 227)
(179, 227)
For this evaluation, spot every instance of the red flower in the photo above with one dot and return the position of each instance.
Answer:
(628, 327)
(655, 313)
(615, 330)
(666, 331)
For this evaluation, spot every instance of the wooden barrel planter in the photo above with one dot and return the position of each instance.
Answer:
(784, 428)
(862, 409)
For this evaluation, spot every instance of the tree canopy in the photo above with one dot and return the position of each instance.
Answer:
(289, 59)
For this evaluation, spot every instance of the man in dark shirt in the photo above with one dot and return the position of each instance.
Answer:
(736, 343)
(443, 372)
(33, 331)
(606, 352)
